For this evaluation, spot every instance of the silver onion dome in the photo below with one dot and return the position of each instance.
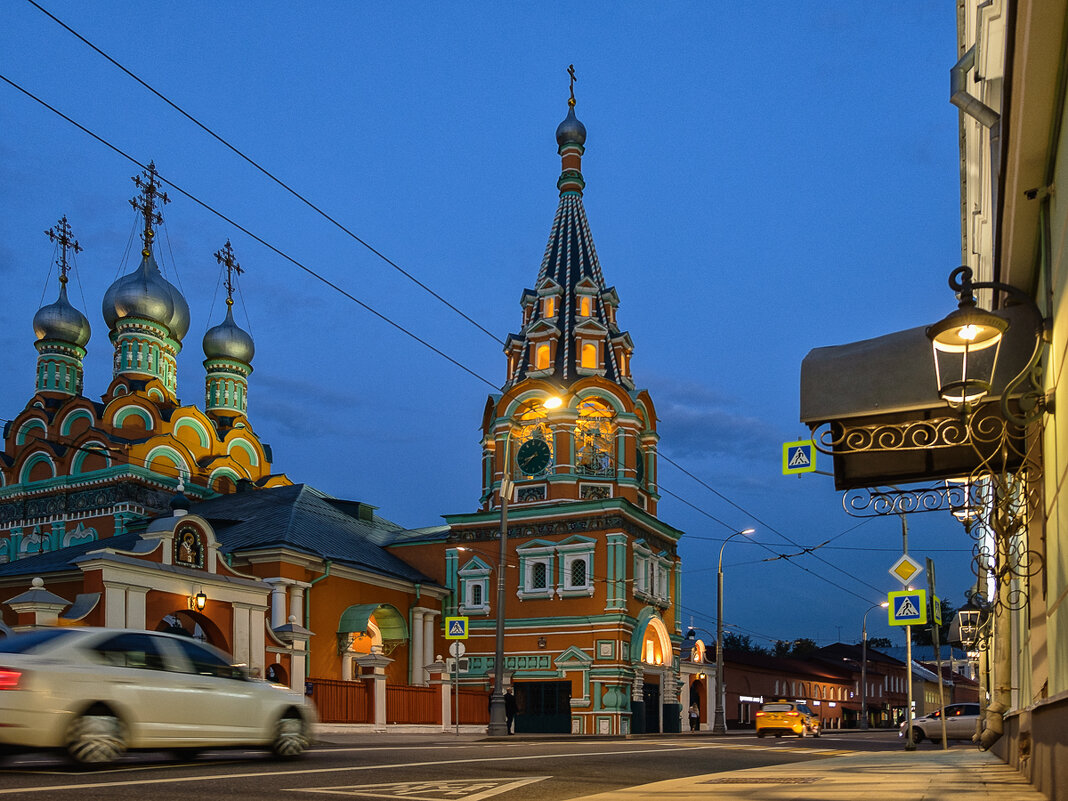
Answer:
(61, 321)
(571, 130)
(228, 341)
(146, 293)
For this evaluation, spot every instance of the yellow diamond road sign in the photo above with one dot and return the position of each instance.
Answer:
(905, 569)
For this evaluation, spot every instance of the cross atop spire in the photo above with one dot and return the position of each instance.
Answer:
(225, 257)
(145, 204)
(571, 72)
(61, 233)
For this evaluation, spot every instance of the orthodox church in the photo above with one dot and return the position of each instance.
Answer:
(139, 511)
(569, 457)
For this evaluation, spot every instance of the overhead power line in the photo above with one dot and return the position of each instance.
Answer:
(263, 170)
(356, 300)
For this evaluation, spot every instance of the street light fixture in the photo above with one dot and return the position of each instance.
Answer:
(966, 345)
(864, 665)
(498, 725)
(719, 725)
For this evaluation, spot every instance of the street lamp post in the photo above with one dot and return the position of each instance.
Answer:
(719, 725)
(498, 725)
(864, 665)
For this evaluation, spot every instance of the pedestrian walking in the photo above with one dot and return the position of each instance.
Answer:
(695, 716)
(509, 709)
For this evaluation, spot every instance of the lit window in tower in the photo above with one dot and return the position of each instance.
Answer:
(542, 362)
(548, 307)
(589, 355)
(585, 306)
(595, 435)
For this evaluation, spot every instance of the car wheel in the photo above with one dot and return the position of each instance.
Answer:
(96, 739)
(760, 734)
(290, 737)
(917, 735)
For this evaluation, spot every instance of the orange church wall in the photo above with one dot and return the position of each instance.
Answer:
(328, 601)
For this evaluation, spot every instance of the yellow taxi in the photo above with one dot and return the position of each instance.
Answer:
(787, 717)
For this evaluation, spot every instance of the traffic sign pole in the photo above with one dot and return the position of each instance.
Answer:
(936, 622)
(910, 744)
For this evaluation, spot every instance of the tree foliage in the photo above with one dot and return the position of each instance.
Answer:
(921, 635)
(741, 642)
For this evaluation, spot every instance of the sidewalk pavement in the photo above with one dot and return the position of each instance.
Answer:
(960, 774)
(963, 773)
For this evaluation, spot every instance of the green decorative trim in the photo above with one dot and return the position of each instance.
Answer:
(605, 649)
(630, 519)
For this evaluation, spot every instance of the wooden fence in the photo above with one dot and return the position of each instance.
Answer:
(353, 702)
(342, 701)
(405, 704)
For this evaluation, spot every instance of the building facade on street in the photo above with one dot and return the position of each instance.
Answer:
(975, 400)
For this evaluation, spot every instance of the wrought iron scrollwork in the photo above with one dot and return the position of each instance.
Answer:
(996, 502)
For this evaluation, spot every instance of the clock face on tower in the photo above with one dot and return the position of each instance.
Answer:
(533, 457)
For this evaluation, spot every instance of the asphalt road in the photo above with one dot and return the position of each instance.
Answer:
(427, 768)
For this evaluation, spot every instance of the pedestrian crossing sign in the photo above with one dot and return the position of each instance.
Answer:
(456, 628)
(908, 608)
(798, 457)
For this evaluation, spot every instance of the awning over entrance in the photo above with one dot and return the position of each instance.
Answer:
(870, 392)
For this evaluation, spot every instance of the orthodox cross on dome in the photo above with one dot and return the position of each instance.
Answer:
(62, 234)
(225, 257)
(145, 204)
(571, 72)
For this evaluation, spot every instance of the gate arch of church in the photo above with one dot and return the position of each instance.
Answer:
(655, 704)
(367, 628)
(193, 624)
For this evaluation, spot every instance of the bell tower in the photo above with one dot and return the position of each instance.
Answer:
(600, 442)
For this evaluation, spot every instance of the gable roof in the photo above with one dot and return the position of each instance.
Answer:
(305, 519)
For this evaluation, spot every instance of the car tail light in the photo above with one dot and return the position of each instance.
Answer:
(793, 714)
(759, 714)
(9, 679)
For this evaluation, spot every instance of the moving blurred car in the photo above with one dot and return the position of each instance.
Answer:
(786, 717)
(97, 692)
(960, 724)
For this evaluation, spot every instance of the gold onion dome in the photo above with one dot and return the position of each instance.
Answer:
(571, 131)
(228, 341)
(145, 293)
(61, 321)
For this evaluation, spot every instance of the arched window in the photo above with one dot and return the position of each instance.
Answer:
(538, 575)
(595, 438)
(578, 573)
(589, 356)
(542, 357)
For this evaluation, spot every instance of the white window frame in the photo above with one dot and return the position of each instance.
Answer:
(569, 555)
(528, 557)
(474, 573)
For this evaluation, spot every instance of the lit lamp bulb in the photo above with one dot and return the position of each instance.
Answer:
(966, 345)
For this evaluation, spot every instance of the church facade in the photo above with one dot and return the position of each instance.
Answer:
(136, 510)
(569, 464)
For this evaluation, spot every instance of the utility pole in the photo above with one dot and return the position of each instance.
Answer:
(910, 745)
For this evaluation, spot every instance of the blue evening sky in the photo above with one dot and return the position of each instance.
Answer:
(762, 179)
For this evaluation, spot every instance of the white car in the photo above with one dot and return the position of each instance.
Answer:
(960, 724)
(97, 692)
